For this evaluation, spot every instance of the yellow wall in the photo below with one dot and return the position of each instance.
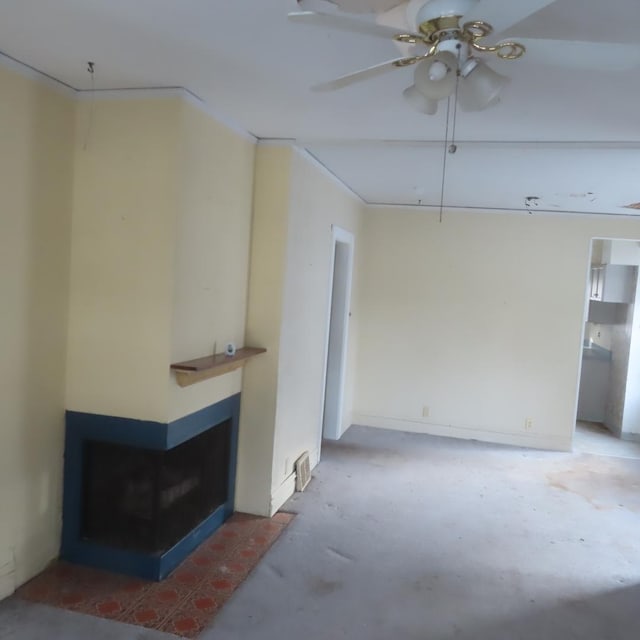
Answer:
(212, 252)
(36, 147)
(479, 318)
(161, 227)
(124, 224)
(317, 202)
(264, 319)
(295, 204)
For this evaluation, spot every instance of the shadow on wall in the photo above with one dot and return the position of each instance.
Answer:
(612, 615)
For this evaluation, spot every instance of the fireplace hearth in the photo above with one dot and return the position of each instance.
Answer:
(139, 496)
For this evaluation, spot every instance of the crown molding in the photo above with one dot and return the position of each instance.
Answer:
(277, 142)
(159, 93)
(27, 71)
(134, 93)
(197, 102)
(435, 208)
(308, 155)
(303, 152)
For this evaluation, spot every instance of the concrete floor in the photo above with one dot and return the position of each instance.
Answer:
(408, 536)
(595, 438)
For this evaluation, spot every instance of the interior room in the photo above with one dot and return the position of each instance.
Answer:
(607, 392)
(388, 246)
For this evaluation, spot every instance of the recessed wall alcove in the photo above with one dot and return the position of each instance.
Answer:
(140, 496)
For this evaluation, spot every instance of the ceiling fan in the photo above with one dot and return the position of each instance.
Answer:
(447, 46)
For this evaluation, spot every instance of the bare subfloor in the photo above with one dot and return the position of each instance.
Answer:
(408, 536)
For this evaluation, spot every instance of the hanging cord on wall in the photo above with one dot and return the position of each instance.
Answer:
(91, 69)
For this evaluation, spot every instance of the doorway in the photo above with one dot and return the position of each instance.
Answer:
(337, 332)
(608, 411)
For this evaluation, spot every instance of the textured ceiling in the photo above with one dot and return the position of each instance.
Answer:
(248, 62)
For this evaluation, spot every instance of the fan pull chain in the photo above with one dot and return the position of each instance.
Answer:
(444, 157)
(450, 147)
(453, 147)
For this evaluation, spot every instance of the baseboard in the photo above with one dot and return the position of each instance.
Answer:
(532, 440)
(280, 495)
(7, 573)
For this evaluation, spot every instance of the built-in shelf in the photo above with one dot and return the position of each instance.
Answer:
(192, 371)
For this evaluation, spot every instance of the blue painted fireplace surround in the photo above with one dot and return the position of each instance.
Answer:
(83, 427)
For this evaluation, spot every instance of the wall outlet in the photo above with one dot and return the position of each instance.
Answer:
(425, 411)
(528, 424)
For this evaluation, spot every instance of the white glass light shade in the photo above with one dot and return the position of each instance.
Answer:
(437, 71)
(439, 88)
(480, 88)
(418, 101)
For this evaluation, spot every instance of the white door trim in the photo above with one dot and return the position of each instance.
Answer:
(342, 236)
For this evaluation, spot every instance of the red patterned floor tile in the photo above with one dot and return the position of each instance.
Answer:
(144, 616)
(185, 602)
(72, 598)
(190, 619)
(109, 609)
(222, 584)
(185, 626)
(283, 517)
(206, 603)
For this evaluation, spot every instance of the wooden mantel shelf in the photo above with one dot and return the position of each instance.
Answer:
(192, 371)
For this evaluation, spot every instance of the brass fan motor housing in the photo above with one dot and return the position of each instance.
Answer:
(447, 27)
(430, 29)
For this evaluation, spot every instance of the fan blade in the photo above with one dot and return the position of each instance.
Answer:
(501, 15)
(350, 6)
(599, 56)
(359, 76)
(344, 23)
(316, 5)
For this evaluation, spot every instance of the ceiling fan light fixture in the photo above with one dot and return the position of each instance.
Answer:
(481, 88)
(437, 71)
(444, 84)
(468, 66)
(419, 102)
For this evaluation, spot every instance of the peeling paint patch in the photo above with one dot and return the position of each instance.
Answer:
(634, 205)
(531, 201)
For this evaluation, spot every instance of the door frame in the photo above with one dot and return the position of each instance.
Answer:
(338, 236)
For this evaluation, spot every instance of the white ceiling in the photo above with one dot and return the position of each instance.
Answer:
(248, 62)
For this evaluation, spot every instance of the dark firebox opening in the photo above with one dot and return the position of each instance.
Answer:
(146, 501)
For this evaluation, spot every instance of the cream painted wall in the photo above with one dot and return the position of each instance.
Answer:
(317, 202)
(264, 319)
(212, 252)
(36, 160)
(295, 204)
(124, 224)
(480, 318)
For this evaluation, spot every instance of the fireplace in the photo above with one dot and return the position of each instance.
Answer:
(146, 500)
(139, 496)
